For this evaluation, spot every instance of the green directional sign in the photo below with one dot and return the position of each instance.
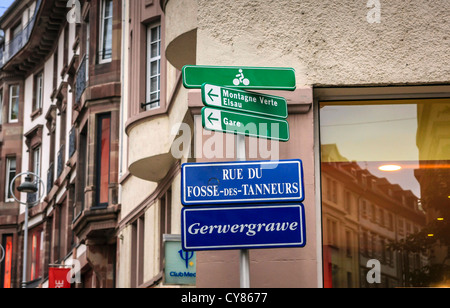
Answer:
(245, 124)
(257, 78)
(244, 101)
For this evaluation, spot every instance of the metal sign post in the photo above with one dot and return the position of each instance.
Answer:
(244, 257)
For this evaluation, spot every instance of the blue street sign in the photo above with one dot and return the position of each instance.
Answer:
(242, 182)
(245, 227)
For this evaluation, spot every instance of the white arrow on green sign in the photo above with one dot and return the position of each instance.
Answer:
(257, 78)
(244, 101)
(245, 124)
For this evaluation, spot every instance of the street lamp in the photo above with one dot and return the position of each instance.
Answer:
(28, 187)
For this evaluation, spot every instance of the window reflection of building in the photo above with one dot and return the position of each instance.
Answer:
(362, 215)
(433, 174)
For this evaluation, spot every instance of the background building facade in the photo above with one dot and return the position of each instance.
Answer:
(62, 82)
(92, 99)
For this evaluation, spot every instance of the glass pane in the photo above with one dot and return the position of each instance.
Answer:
(14, 103)
(154, 84)
(107, 39)
(107, 30)
(385, 197)
(154, 50)
(155, 34)
(108, 8)
(11, 173)
(15, 109)
(154, 70)
(15, 91)
(154, 96)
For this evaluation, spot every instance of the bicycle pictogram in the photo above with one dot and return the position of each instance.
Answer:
(240, 79)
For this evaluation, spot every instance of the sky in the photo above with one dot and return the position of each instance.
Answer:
(4, 4)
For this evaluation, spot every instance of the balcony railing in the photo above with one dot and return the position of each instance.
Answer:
(12, 47)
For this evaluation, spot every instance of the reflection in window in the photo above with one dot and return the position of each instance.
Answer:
(398, 216)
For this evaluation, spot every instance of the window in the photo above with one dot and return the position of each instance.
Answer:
(14, 104)
(16, 30)
(368, 137)
(137, 252)
(165, 226)
(103, 159)
(55, 69)
(63, 237)
(10, 174)
(1, 105)
(37, 161)
(37, 245)
(153, 67)
(106, 26)
(81, 173)
(348, 202)
(88, 38)
(6, 265)
(349, 243)
(38, 95)
(332, 233)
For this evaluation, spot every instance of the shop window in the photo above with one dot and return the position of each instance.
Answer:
(393, 159)
(103, 159)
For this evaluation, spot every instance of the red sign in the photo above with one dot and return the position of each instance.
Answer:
(57, 278)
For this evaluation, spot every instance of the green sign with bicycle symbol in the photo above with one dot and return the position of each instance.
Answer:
(256, 78)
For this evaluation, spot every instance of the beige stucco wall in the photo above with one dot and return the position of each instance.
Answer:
(330, 42)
